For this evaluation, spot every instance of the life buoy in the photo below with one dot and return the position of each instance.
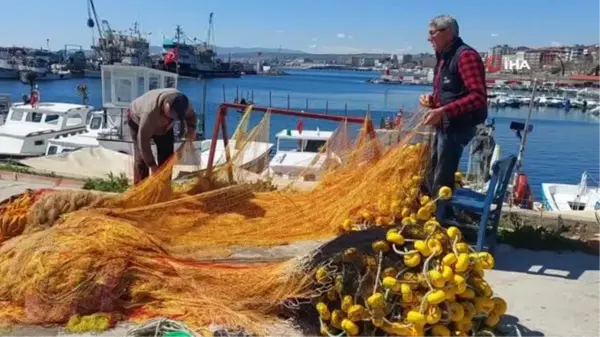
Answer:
(522, 196)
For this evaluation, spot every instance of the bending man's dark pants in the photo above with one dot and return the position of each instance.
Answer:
(165, 147)
(447, 149)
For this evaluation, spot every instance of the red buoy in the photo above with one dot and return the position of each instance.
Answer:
(522, 196)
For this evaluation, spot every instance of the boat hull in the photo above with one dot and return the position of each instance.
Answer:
(564, 198)
(197, 73)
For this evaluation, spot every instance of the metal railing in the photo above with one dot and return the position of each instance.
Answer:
(388, 102)
(221, 125)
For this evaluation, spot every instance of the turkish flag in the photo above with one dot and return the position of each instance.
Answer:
(300, 125)
(494, 64)
(172, 56)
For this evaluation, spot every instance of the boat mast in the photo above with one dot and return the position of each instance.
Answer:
(519, 162)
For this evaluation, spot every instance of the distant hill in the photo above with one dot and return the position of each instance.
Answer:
(223, 51)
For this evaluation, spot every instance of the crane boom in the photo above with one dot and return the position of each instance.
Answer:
(91, 4)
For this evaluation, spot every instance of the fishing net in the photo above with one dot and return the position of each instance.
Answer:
(149, 252)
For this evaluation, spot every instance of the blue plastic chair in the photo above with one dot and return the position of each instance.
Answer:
(481, 204)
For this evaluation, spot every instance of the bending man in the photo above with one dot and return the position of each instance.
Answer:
(151, 118)
(458, 103)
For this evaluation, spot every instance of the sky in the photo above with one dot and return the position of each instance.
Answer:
(316, 26)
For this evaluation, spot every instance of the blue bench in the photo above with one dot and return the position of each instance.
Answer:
(487, 207)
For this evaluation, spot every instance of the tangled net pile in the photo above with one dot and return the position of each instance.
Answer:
(393, 269)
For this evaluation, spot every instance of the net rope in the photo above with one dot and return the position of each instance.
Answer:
(138, 255)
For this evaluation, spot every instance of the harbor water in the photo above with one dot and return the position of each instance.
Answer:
(562, 145)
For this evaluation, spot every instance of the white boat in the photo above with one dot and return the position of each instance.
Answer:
(28, 128)
(577, 199)
(302, 157)
(98, 122)
(595, 111)
(554, 102)
(8, 70)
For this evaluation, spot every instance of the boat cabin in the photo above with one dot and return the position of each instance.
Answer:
(299, 153)
(307, 141)
(28, 128)
(98, 121)
(121, 84)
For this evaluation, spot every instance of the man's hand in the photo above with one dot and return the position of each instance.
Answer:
(426, 100)
(153, 169)
(434, 116)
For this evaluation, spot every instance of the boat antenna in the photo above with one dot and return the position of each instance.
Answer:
(519, 162)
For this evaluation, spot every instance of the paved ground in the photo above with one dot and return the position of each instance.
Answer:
(552, 294)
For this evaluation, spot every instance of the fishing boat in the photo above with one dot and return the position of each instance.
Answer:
(303, 157)
(567, 198)
(28, 127)
(190, 58)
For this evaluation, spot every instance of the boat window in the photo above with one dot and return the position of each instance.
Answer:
(74, 120)
(153, 82)
(123, 87)
(17, 115)
(52, 150)
(52, 119)
(107, 86)
(169, 82)
(38, 143)
(96, 123)
(314, 145)
(34, 117)
(577, 206)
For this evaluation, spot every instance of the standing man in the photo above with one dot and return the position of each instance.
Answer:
(151, 118)
(458, 103)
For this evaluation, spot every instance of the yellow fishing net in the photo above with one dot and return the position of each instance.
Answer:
(139, 254)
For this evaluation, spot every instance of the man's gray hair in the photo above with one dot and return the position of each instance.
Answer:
(445, 22)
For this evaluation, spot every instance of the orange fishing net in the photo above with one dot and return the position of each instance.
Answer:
(136, 254)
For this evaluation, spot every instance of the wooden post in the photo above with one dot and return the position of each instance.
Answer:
(226, 143)
(204, 91)
(213, 143)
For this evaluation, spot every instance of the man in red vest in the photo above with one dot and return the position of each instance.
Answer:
(458, 103)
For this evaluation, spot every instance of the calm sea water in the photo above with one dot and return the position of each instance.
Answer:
(562, 145)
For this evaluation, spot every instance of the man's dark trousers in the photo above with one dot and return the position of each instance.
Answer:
(446, 151)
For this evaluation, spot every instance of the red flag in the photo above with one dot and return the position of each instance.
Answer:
(494, 64)
(300, 126)
(172, 56)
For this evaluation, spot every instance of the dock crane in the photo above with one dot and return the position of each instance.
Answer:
(105, 32)
(95, 22)
(210, 35)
